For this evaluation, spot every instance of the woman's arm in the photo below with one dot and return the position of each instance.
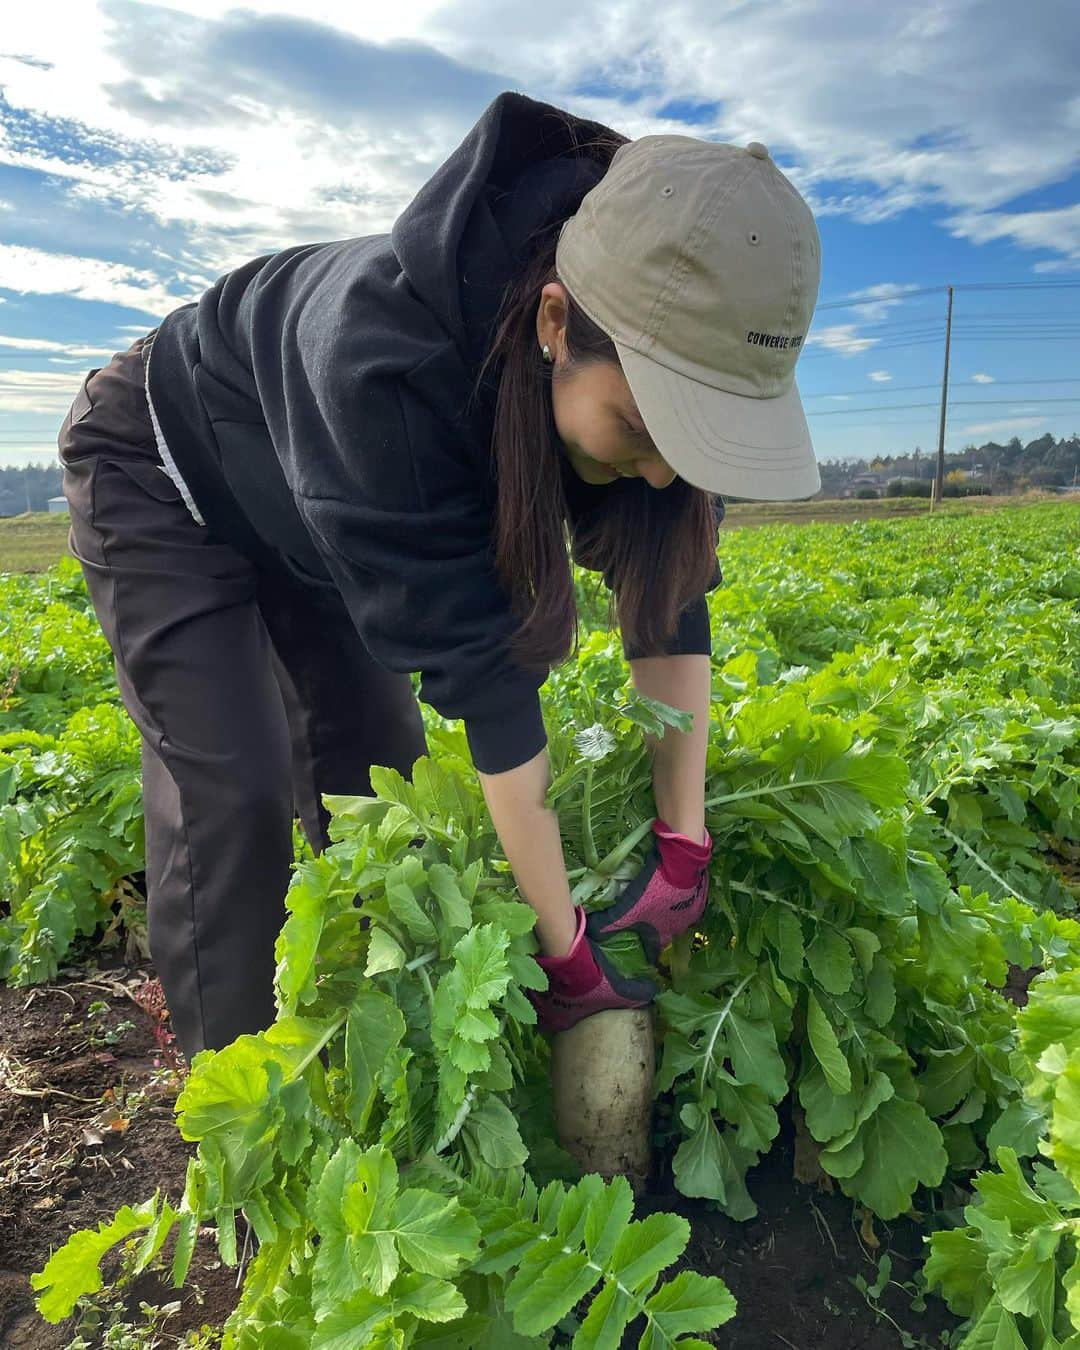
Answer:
(529, 833)
(678, 760)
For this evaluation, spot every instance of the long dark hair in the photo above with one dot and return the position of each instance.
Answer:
(656, 548)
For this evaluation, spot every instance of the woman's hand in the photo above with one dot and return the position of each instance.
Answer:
(667, 896)
(583, 982)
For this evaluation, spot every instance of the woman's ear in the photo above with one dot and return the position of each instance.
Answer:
(551, 314)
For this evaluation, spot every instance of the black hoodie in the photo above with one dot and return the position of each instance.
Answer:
(314, 401)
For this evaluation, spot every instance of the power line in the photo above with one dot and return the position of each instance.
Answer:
(907, 388)
(922, 342)
(962, 403)
(1016, 285)
(887, 345)
(880, 299)
(914, 327)
(1021, 314)
(1061, 329)
(900, 296)
(1070, 326)
(930, 421)
(993, 335)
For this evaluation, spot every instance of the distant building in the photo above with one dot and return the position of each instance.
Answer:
(59, 504)
(861, 480)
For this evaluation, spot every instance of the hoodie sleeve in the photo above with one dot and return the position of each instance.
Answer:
(399, 516)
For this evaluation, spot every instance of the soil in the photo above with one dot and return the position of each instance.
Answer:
(792, 1268)
(76, 1144)
(87, 1124)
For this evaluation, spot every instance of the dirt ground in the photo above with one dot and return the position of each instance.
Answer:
(87, 1124)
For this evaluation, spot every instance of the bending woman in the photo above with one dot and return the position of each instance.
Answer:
(349, 462)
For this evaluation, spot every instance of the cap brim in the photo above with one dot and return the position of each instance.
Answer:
(726, 443)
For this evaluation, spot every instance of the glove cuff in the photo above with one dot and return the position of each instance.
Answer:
(577, 971)
(681, 860)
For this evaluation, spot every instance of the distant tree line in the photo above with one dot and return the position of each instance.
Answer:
(990, 467)
(29, 488)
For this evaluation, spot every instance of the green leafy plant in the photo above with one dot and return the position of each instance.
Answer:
(1014, 1270)
(371, 1135)
(892, 759)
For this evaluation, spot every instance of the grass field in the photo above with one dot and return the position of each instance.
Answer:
(881, 508)
(33, 541)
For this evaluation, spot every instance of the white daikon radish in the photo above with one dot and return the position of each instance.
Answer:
(602, 1072)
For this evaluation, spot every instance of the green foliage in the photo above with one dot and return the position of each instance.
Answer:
(371, 1135)
(1014, 1270)
(892, 756)
(71, 826)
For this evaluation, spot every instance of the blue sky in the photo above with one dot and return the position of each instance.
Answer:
(146, 149)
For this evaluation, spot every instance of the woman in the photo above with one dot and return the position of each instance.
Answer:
(350, 461)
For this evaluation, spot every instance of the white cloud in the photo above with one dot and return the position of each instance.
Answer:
(880, 299)
(270, 126)
(1057, 230)
(249, 130)
(840, 398)
(876, 303)
(72, 349)
(33, 271)
(880, 376)
(1011, 424)
(982, 378)
(1057, 265)
(39, 391)
(841, 338)
(911, 104)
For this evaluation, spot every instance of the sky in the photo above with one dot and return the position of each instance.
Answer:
(145, 150)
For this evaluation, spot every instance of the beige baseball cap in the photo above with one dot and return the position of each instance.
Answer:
(701, 262)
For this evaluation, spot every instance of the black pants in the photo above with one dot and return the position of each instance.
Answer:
(252, 693)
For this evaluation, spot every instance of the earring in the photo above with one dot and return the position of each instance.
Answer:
(547, 352)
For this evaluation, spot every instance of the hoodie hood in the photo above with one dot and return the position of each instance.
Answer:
(312, 399)
(524, 165)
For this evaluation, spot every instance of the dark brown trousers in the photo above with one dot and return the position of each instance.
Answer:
(253, 695)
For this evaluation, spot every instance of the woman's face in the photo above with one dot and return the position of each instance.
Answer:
(595, 414)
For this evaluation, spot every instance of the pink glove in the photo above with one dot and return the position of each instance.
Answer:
(583, 982)
(666, 897)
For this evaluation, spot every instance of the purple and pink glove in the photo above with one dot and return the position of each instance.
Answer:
(583, 982)
(666, 897)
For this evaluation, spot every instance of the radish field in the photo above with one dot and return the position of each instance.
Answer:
(882, 999)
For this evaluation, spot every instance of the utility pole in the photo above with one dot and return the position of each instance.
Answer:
(944, 401)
